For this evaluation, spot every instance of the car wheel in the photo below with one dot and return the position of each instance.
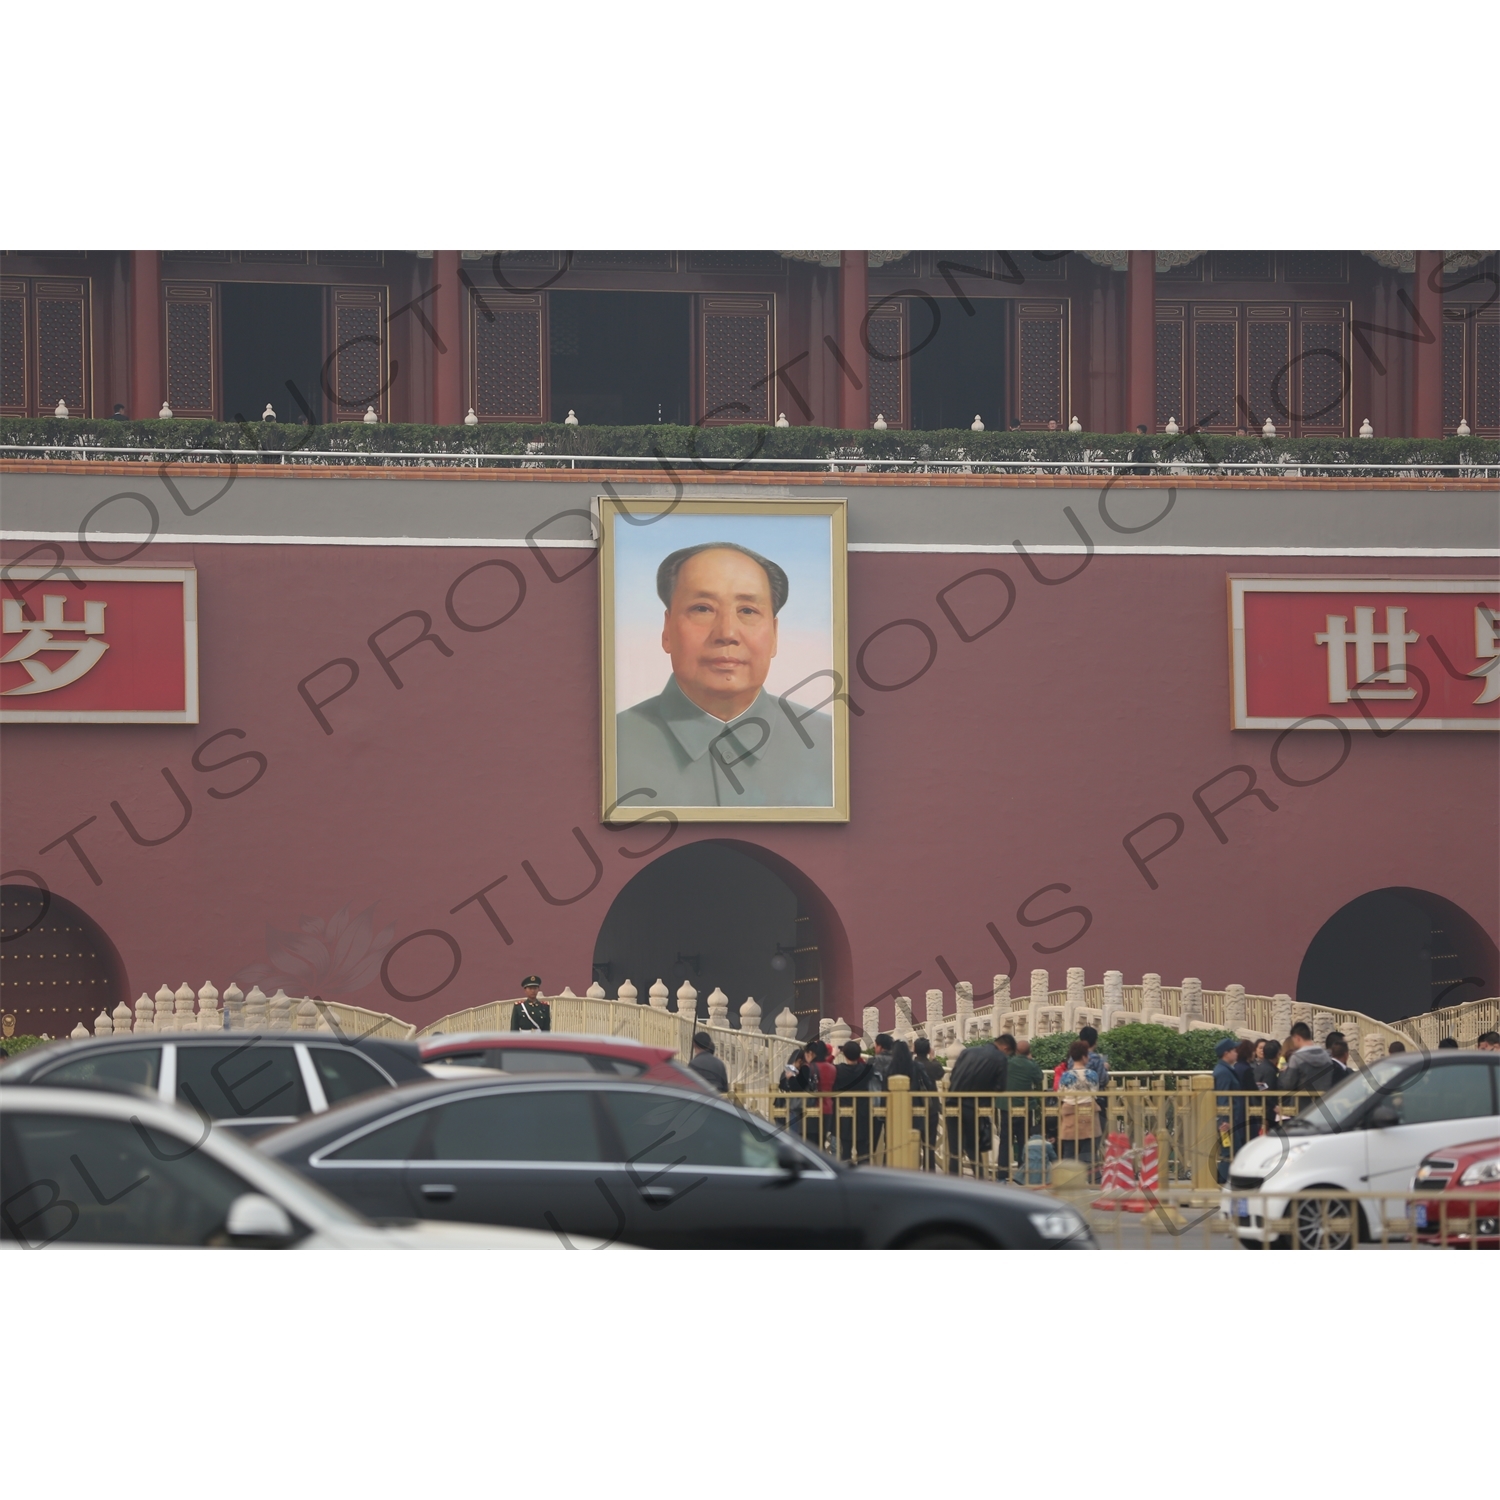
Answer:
(1326, 1224)
(945, 1239)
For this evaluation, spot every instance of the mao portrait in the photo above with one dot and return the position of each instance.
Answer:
(723, 651)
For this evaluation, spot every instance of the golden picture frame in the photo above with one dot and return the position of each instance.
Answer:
(727, 704)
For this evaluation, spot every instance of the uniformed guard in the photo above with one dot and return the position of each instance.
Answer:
(533, 1013)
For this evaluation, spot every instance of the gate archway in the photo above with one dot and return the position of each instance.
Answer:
(57, 965)
(1398, 952)
(728, 913)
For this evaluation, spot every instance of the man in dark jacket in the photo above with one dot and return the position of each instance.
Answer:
(921, 1049)
(1024, 1075)
(1310, 1066)
(706, 1065)
(980, 1070)
(880, 1062)
(852, 1076)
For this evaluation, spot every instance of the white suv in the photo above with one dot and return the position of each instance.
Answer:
(1367, 1134)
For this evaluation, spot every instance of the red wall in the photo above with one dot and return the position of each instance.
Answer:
(1015, 762)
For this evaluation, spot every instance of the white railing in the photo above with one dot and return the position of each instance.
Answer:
(183, 1010)
(752, 1057)
(1465, 1023)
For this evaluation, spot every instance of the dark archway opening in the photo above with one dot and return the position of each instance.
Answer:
(962, 371)
(1398, 952)
(727, 914)
(57, 966)
(271, 334)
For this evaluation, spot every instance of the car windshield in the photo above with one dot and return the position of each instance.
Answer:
(1336, 1107)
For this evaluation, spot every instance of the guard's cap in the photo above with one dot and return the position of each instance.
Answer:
(531, 979)
(1228, 1044)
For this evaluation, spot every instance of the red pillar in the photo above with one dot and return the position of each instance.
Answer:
(854, 307)
(1140, 340)
(148, 388)
(1427, 375)
(447, 361)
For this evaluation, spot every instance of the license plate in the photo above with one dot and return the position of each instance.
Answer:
(1242, 1208)
(1420, 1215)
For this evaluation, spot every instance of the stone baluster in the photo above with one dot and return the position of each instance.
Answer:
(1234, 1008)
(255, 1009)
(186, 1017)
(1301, 1013)
(1040, 980)
(1281, 1016)
(1373, 1048)
(234, 1008)
(871, 1024)
(279, 1011)
(1001, 991)
(565, 993)
(1429, 1027)
(209, 1018)
(750, 1015)
(162, 1005)
(1322, 1024)
(627, 994)
(840, 1033)
(963, 1007)
(687, 1001)
(1150, 996)
(718, 1008)
(1352, 1035)
(658, 996)
(145, 1013)
(305, 1017)
(903, 1027)
(103, 1025)
(79, 1033)
(786, 1024)
(595, 992)
(1192, 1001)
(1114, 997)
(932, 1013)
(122, 1018)
(825, 1025)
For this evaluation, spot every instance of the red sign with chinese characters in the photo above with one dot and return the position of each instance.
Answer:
(99, 646)
(1365, 653)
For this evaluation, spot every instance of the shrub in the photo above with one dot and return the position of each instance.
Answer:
(1139, 1048)
(14, 1044)
(1048, 1051)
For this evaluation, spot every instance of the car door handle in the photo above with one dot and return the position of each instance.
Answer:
(658, 1193)
(439, 1191)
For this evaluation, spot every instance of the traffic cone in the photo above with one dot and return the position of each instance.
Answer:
(1143, 1198)
(1116, 1177)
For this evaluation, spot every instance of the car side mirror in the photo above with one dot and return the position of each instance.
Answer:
(253, 1216)
(1382, 1116)
(790, 1159)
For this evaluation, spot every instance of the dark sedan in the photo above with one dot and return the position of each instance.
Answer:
(649, 1165)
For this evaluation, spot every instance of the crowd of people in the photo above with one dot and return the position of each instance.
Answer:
(998, 1088)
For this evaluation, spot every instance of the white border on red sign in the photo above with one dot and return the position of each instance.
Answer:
(188, 714)
(1240, 586)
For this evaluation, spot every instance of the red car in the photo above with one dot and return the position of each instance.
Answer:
(1456, 1173)
(560, 1052)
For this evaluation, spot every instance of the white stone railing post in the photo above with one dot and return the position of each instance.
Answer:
(1302, 1013)
(103, 1025)
(839, 1033)
(1150, 996)
(77, 1034)
(687, 1002)
(627, 994)
(209, 1018)
(1322, 1024)
(1234, 1007)
(145, 1013)
(932, 1013)
(825, 1027)
(186, 1018)
(750, 1016)
(658, 996)
(595, 992)
(1192, 1001)
(234, 1008)
(786, 1024)
(903, 1027)
(305, 1018)
(122, 1018)
(963, 1008)
(162, 1002)
(255, 1009)
(1040, 995)
(718, 1008)
(871, 1026)
(1281, 1016)
(1000, 990)
(279, 1011)
(1114, 997)
(1075, 999)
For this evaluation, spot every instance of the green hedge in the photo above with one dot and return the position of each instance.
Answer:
(1141, 1047)
(14, 1044)
(739, 442)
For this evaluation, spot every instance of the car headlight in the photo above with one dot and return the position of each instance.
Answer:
(1061, 1224)
(1480, 1172)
